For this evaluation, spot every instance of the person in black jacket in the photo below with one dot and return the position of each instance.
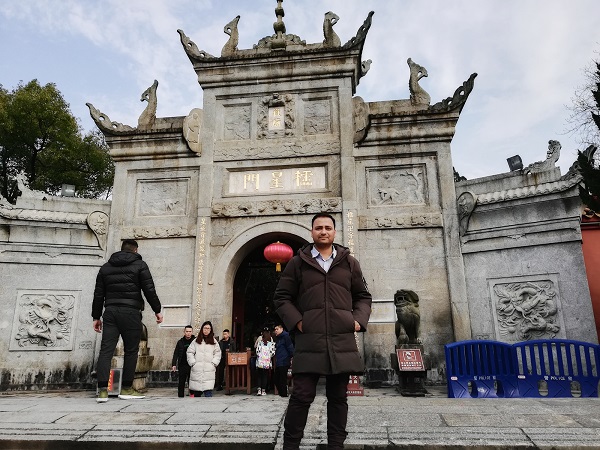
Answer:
(226, 343)
(179, 361)
(284, 352)
(119, 286)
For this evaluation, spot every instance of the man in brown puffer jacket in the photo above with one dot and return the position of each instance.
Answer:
(323, 298)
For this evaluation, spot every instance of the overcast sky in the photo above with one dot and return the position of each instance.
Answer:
(529, 56)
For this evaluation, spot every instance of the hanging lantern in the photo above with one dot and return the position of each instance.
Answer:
(278, 253)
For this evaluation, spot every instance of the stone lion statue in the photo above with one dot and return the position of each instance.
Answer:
(409, 317)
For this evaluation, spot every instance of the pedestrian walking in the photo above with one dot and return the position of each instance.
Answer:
(284, 351)
(179, 362)
(203, 356)
(119, 286)
(265, 350)
(226, 343)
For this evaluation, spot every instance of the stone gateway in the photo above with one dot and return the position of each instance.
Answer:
(280, 136)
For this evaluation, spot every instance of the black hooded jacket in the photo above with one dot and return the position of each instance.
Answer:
(121, 281)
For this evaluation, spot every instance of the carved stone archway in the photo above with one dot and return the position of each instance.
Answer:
(219, 302)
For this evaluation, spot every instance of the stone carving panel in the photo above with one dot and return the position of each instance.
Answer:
(44, 320)
(157, 232)
(526, 310)
(177, 315)
(317, 116)
(396, 186)
(276, 116)
(162, 197)
(276, 207)
(283, 150)
(236, 122)
(431, 220)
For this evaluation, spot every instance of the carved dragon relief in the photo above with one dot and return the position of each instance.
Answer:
(549, 163)
(527, 310)
(231, 29)
(269, 207)
(44, 321)
(191, 49)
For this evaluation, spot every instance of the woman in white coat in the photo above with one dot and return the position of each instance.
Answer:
(203, 356)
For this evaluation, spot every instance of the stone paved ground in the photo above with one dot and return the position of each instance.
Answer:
(380, 419)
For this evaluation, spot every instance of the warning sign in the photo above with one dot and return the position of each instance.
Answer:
(410, 359)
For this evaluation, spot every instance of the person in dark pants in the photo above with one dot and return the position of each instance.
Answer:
(284, 351)
(323, 298)
(119, 286)
(179, 361)
(226, 343)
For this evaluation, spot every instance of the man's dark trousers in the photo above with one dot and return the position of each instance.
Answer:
(303, 394)
(281, 373)
(127, 322)
(184, 375)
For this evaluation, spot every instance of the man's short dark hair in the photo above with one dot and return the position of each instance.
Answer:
(129, 245)
(225, 330)
(188, 326)
(316, 216)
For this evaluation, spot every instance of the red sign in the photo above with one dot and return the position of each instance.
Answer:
(410, 359)
(354, 388)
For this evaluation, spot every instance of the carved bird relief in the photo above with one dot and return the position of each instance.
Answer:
(418, 96)
(148, 116)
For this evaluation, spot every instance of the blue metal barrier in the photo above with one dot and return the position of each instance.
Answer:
(484, 369)
(540, 368)
(549, 368)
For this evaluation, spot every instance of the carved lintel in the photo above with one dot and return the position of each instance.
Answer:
(34, 215)
(192, 126)
(276, 207)
(157, 232)
(458, 100)
(291, 149)
(426, 220)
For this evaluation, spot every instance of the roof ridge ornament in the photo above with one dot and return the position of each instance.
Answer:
(279, 42)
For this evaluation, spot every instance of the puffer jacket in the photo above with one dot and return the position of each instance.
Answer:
(203, 359)
(121, 282)
(328, 303)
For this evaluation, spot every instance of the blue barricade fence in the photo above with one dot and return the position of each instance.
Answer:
(541, 368)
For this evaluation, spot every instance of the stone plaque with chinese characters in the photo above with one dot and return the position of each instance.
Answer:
(277, 181)
(276, 118)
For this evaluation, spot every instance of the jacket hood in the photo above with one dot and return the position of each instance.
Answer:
(123, 258)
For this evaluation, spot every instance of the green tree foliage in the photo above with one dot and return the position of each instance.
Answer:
(40, 137)
(589, 189)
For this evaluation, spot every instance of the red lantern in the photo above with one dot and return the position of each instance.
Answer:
(278, 253)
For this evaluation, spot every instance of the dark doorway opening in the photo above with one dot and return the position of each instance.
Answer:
(253, 290)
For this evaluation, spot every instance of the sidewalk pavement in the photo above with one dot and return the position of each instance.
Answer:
(382, 418)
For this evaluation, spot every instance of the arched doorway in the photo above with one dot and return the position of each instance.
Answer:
(253, 288)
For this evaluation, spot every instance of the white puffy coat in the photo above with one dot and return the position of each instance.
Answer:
(203, 359)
